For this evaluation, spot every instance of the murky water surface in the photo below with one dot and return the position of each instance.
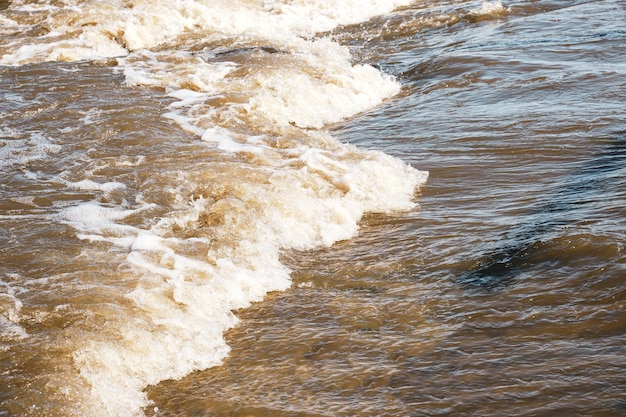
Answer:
(221, 209)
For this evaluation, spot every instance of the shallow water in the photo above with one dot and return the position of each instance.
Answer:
(151, 185)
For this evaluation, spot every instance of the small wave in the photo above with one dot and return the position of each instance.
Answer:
(488, 10)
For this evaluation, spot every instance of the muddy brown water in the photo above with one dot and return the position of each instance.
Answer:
(502, 292)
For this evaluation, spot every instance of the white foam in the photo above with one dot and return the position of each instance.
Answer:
(91, 116)
(288, 184)
(7, 25)
(336, 90)
(125, 161)
(10, 318)
(104, 222)
(313, 86)
(106, 187)
(10, 330)
(184, 306)
(110, 29)
(183, 303)
(22, 151)
(494, 8)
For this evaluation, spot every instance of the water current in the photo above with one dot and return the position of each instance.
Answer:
(312, 208)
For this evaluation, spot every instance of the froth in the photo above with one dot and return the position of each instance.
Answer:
(307, 84)
(10, 307)
(219, 251)
(22, 151)
(94, 29)
(487, 8)
(261, 102)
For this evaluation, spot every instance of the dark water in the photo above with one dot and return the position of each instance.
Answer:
(501, 293)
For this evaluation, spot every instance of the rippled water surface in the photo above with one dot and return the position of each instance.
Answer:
(274, 166)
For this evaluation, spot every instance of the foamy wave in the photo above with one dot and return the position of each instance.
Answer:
(188, 287)
(489, 8)
(310, 86)
(261, 101)
(95, 29)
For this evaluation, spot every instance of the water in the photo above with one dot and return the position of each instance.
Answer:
(221, 208)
